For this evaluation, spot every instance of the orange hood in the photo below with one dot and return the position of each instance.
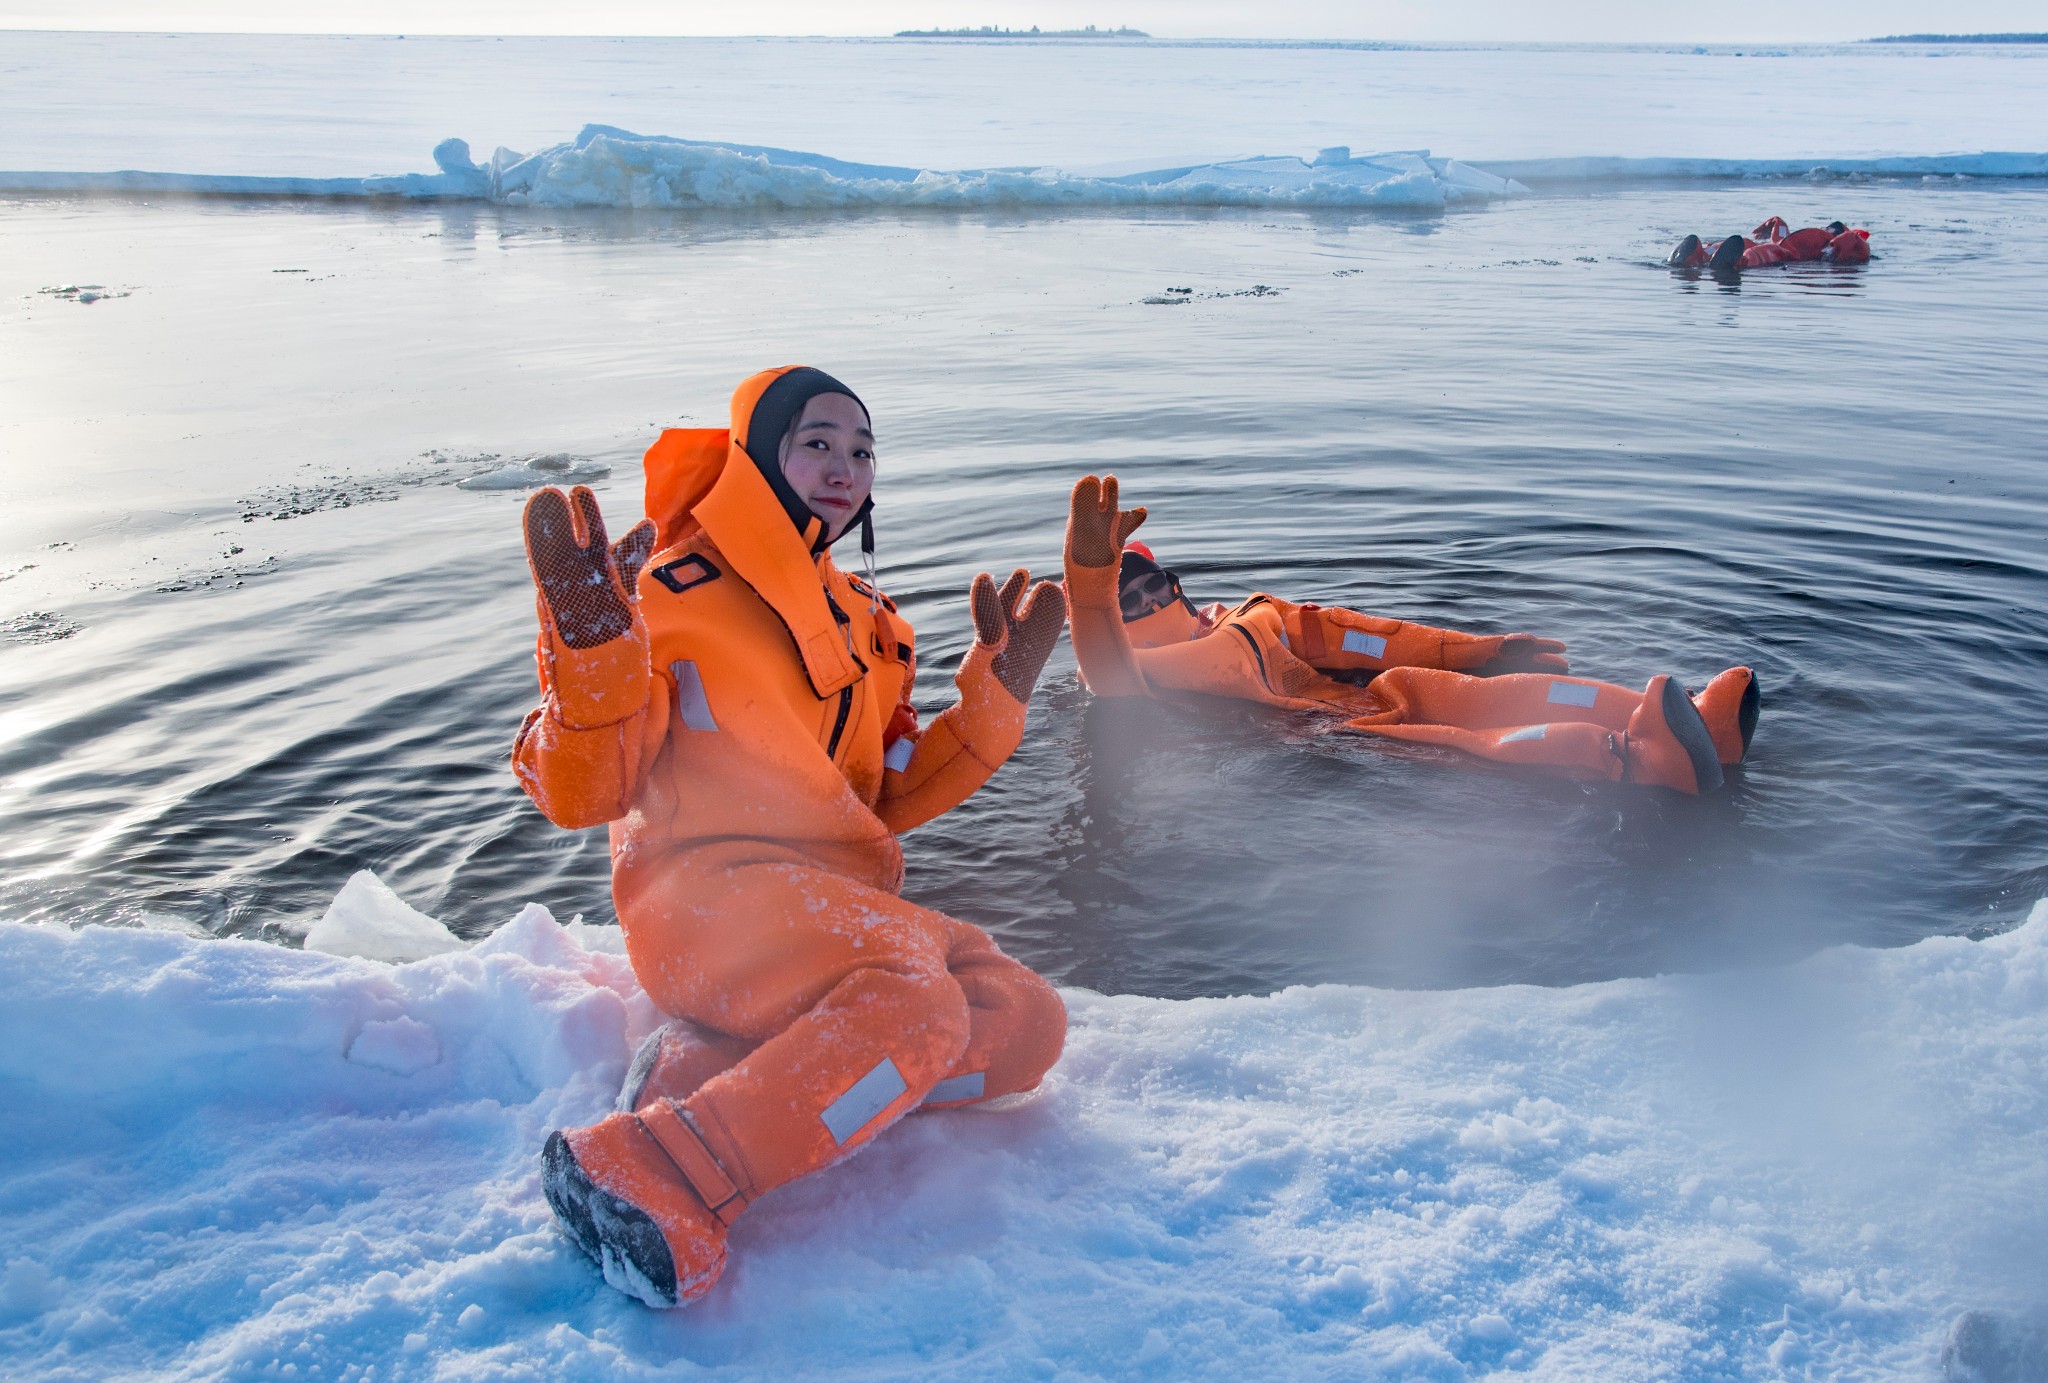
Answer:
(707, 479)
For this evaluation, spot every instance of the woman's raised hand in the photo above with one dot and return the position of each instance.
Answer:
(1019, 629)
(1096, 529)
(588, 591)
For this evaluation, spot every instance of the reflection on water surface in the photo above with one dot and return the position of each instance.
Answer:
(256, 638)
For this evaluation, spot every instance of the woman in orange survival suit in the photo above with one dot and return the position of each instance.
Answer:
(739, 710)
(1136, 634)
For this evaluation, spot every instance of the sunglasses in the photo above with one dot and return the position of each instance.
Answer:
(1142, 595)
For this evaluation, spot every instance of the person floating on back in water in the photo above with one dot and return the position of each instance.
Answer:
(739, 710)
(1774, 242)
(1500, 697)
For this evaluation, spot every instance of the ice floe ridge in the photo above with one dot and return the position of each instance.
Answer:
(228, 1159)
(604, 166)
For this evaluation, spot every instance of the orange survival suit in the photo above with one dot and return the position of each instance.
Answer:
(1418, 681)
(738, 709)
(1774, 242)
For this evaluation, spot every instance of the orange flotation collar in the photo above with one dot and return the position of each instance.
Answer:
(705, 478)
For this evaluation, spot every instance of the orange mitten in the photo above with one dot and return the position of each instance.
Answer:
(593, 647)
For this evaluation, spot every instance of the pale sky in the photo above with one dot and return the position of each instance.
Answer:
(1696, 21)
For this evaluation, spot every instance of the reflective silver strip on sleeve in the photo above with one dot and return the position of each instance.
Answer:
(869, 1096)
(1371, 645)
(967, 1087)
(691, 702)
(897, 755)
(1527, 732)
(1571, 694)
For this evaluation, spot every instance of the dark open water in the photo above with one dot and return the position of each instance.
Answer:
(255, 640)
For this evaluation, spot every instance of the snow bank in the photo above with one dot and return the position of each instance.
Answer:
(231, 1160)
(604, 166)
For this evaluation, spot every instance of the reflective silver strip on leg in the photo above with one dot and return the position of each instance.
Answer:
(869, 1096)
(967, 1087)
(897, 755)
(1371, 645)
(691, 702)
(1571, 694)
(1527, 732)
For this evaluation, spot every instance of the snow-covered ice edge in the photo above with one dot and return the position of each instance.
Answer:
(609, 167)
(604, 166)
(228, 1159)
(1930, 167)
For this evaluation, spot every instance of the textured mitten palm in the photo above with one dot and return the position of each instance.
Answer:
(1096, 529)
(1525, 653)
(1020, 630)
(587, 590)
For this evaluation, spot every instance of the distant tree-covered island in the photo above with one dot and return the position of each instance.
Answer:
(991, 31)
(1960, 38)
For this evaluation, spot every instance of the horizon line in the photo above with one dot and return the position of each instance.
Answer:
(1150, 37)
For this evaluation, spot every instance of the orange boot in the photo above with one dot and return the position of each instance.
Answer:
(642, 1195)
(1668, 745)
(1729, 705)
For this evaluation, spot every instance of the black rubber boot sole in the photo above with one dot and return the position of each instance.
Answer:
(1745, 716)
(1681, 258)
(1728, 258)
(625, 1243)
(1693, 737)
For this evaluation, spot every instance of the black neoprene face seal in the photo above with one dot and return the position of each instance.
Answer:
(1144, 586)
(781, 403)
(1145, 592)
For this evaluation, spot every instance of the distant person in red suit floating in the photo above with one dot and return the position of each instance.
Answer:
(1774, 242)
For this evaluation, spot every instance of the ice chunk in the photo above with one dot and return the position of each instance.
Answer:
(367, 920)
(452, 156)
(604, 166)
(83, 292)
(534, 935)
(531, 472)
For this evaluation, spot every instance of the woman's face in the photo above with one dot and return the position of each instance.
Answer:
(828, 458)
